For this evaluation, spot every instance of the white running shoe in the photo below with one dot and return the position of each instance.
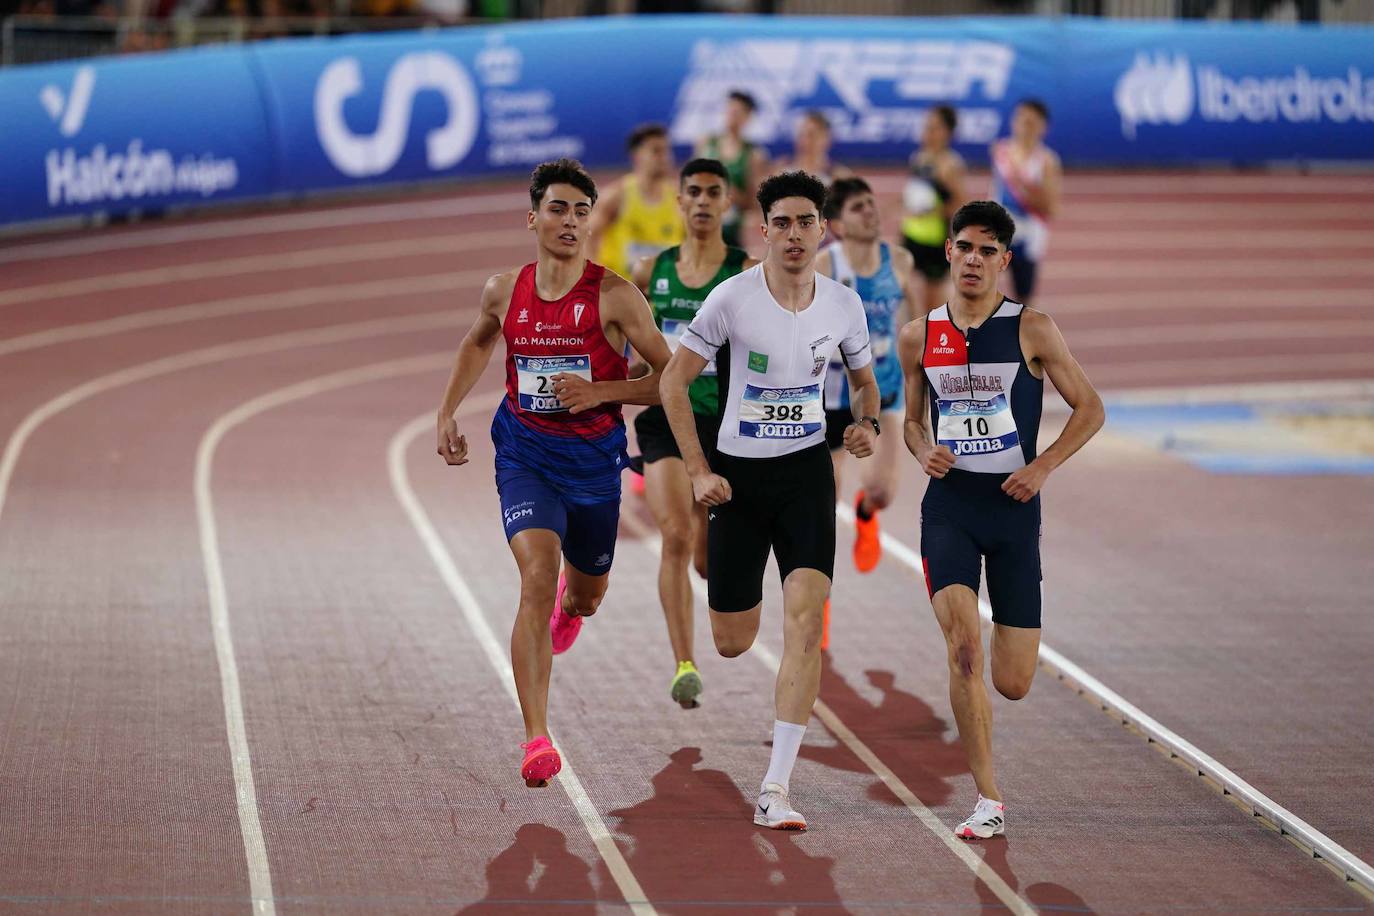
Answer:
(775, 811)
(989, 819)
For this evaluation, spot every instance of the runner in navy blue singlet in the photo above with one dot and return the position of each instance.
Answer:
(558, 433)
(975, 370)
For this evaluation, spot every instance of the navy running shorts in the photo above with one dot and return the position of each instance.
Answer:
(966, 522)
(588, 532)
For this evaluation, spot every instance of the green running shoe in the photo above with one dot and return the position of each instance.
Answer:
(687, 685)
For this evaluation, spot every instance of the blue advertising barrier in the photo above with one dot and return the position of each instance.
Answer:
(309, 115)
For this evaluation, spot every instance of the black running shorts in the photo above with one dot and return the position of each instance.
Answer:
(967, 520)
(785, 504)
(930, 259)
(655, 436)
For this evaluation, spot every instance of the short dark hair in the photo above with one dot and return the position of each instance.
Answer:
(816, 116)
(703, 167)
(947, 114)
(744, 98)
(1037, 106)
(559, 171)
(841, 189)
(988, 214)
(791, 184)
(642, 133)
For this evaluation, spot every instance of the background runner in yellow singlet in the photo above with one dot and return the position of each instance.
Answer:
(639, 216)
(676, 283)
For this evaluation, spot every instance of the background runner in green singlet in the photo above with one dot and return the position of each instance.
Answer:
(676, 283)
(746, 163)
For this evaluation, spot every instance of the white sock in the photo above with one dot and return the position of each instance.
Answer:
(787, 739)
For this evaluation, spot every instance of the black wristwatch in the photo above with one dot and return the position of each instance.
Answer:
(872, 421)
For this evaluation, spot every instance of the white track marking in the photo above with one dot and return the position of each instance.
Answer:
(477, 621)
(244, 305)
(254, 846)
(651, 541)
(1323, 847)
(238, 226)
(399, 324)
(101, 284)
(1257, 393)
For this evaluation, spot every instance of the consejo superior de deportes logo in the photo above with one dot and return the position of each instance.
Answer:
(365, 155)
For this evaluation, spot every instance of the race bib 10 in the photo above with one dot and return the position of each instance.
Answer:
(534, 379)
(780, 413)
(969, 427)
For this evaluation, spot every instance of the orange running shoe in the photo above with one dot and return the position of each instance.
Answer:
(825, 626)
(868, 545)
(541, 762)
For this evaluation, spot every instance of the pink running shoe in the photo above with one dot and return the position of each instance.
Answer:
(563, 628)
(541, 762)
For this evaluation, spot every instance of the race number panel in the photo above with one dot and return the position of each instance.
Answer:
(535, 377)
(780, 413)
(972, 427)
(673, 329)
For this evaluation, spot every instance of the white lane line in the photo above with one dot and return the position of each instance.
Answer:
(232, 227)
(102, 284)
(245, 305)
(477, 621)
(245, 790)
(1257, 393)
(399, 324)
(1351, 867)
(652, 542)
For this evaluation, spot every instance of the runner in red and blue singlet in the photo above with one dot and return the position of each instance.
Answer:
(558, 433)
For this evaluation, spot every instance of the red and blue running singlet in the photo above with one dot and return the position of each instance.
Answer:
(546, 338)
(581, 455)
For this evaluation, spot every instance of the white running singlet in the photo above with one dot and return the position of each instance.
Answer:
(773, 369)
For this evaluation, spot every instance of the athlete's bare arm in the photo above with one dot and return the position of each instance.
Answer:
(952, 172)
(707, 488)
(904, 265)
(641, 272)
(1045, 349)
(1043, 196)
(625, 316)
(604, 212)
(865, 401)
(474, 353)
(936, 460)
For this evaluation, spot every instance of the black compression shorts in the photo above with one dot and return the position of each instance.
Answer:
(656, 440)
(786, 504)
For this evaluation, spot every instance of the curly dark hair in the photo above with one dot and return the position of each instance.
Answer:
(791, 184)
(988, 214)
(559, 171)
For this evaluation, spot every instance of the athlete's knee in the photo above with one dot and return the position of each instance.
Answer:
(966, 655)
(1013, 687)
(677, 538)
(732, 645)
(699, 563)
